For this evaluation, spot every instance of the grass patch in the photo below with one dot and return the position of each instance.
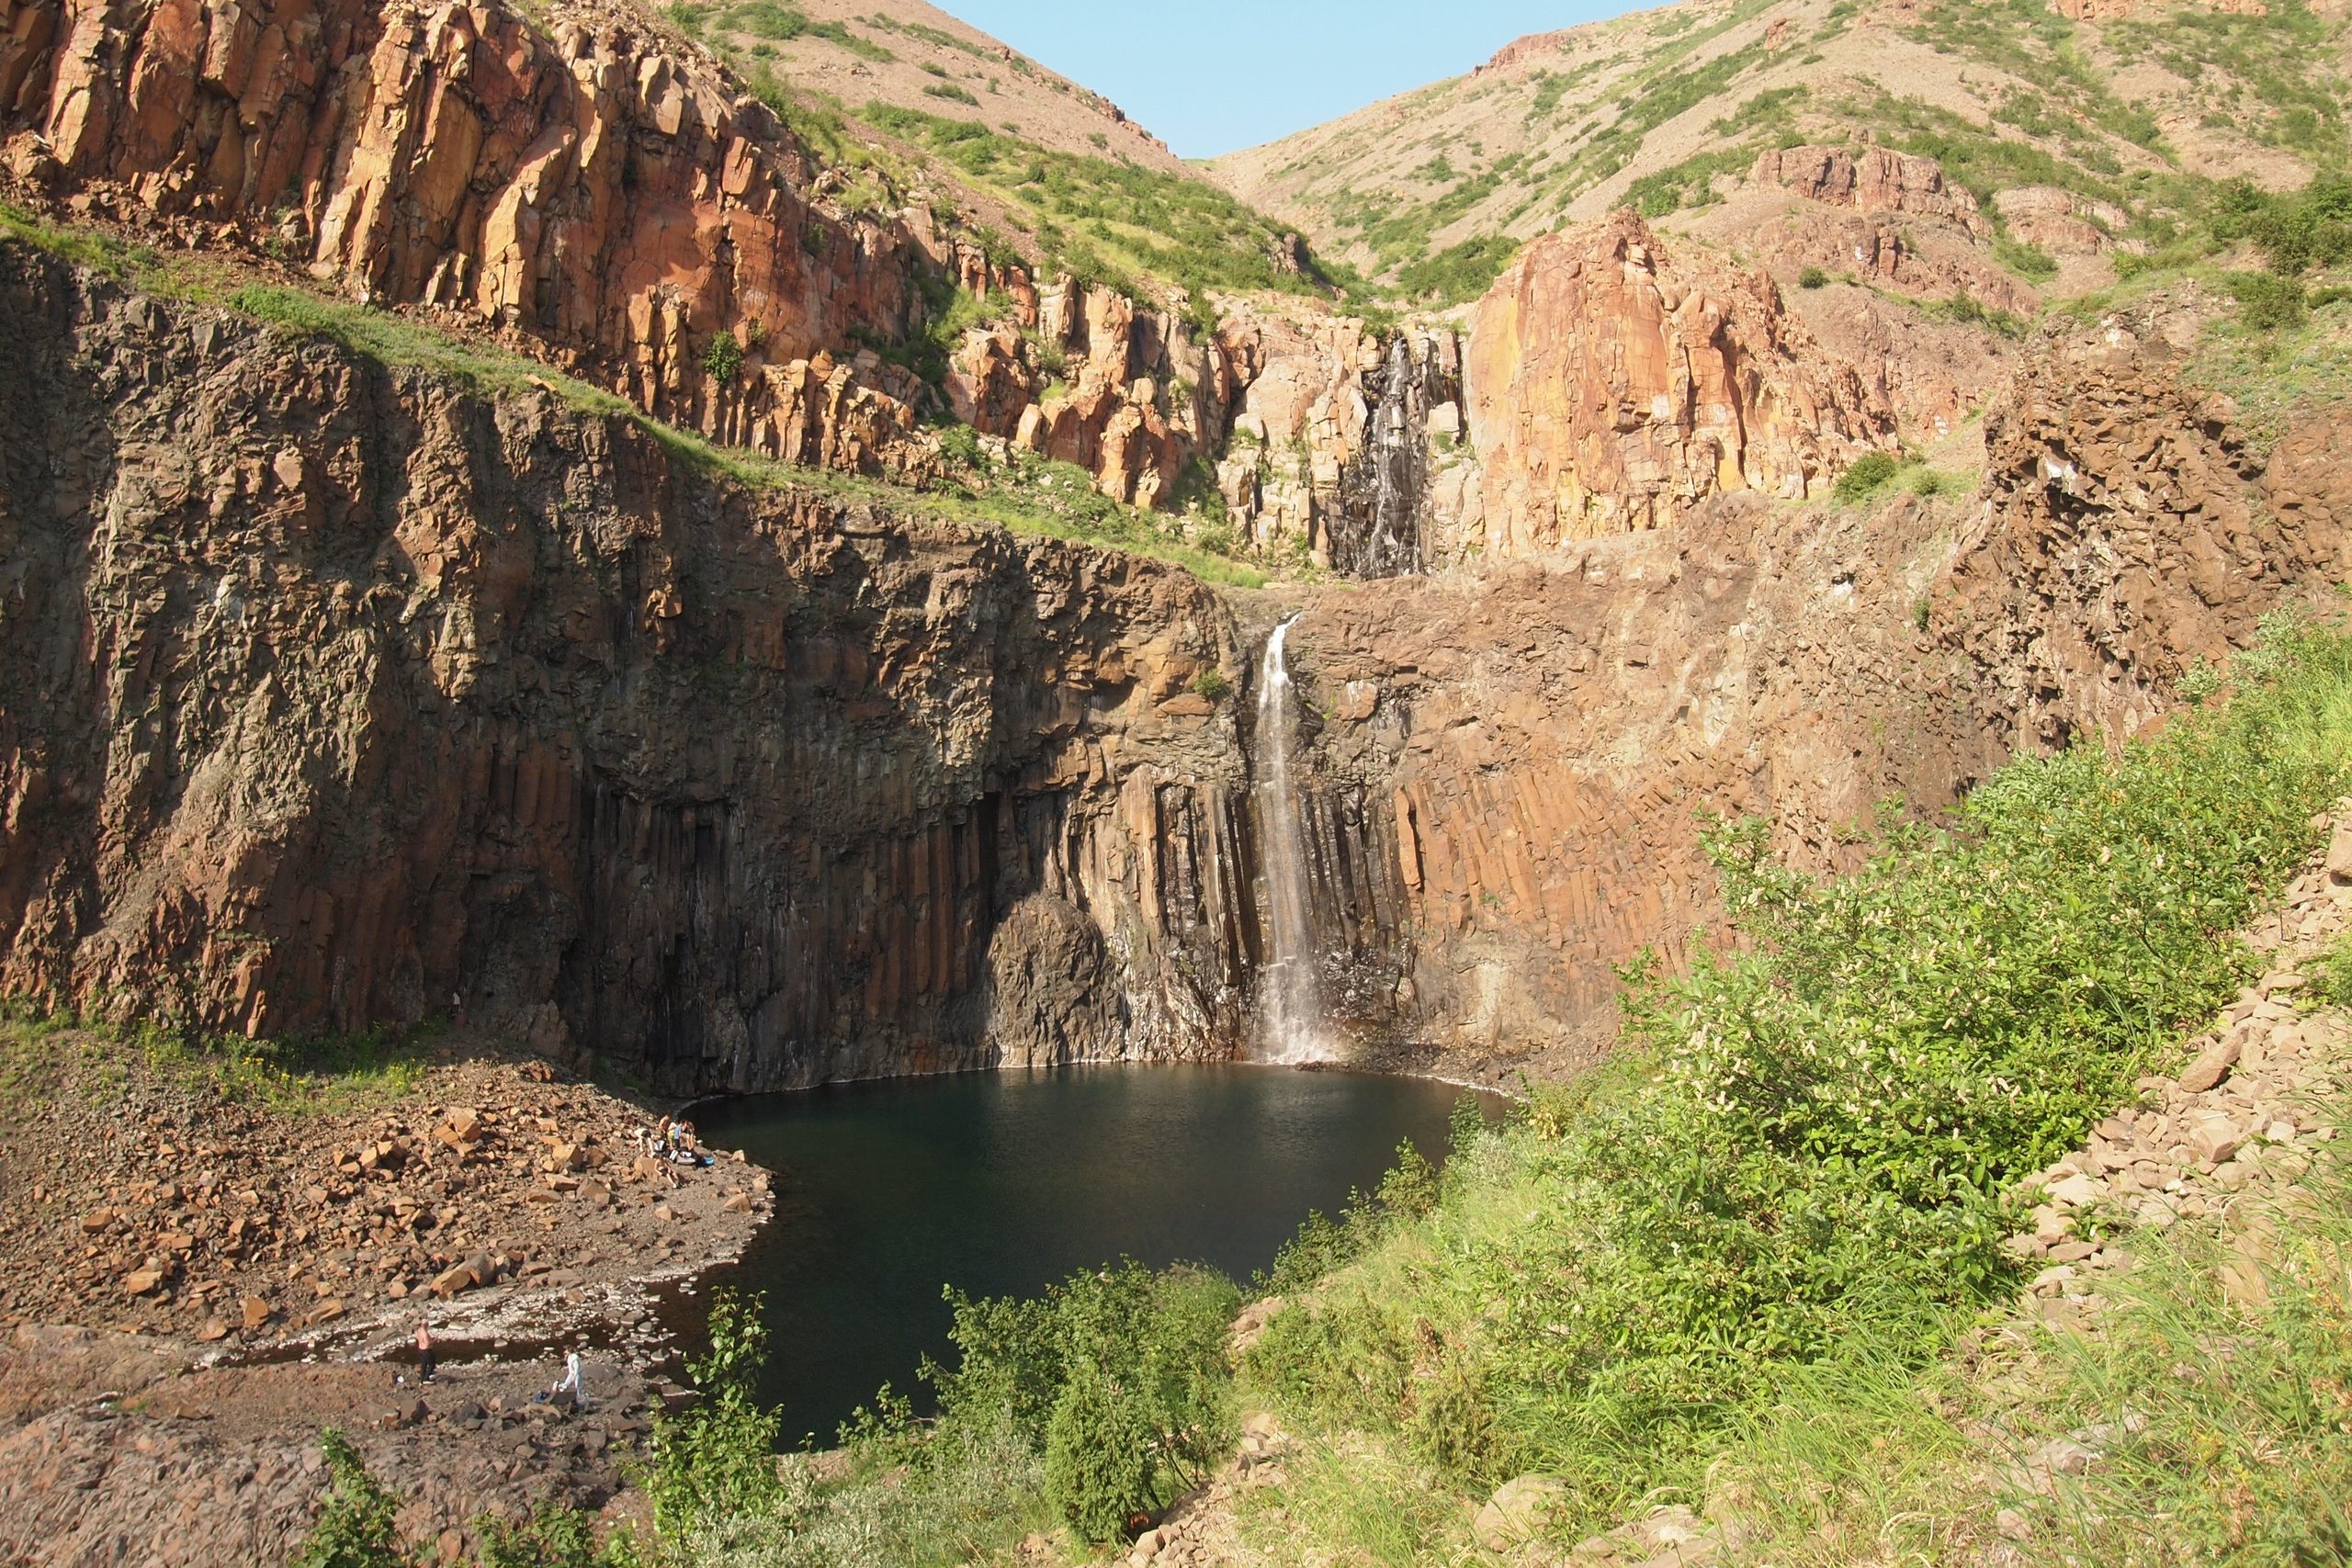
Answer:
(2230, 1412)
(43, 1054)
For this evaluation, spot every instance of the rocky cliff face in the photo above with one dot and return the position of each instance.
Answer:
(1615, 382)
(596, 197)
(1518, 759)
(338, 697)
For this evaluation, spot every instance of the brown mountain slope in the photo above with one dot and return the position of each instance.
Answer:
(910, 55)
(2075, 127)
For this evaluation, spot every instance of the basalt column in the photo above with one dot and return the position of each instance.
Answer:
(332, 696)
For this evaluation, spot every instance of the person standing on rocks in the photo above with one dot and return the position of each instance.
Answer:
(425, 1358)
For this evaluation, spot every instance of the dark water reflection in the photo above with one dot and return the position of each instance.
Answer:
(1001, 1183)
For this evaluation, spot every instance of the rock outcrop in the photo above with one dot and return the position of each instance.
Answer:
(594, 196)
(1871, 180)
(338, 696)
(2123, 537)
(1613, 383)
(1511, 766)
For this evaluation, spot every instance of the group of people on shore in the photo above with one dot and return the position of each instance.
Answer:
(674, 1142)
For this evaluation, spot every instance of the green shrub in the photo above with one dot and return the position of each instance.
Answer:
(2267, 301)
(960, 444)
(717, 1459)
(554, 1537)
(1805, 1154)
(354, 1529)
(1212, 685)
(951, 92)
(1813, 277)
(1862, 481)
(723, 358)
(2026, 261)
(1098, 1467)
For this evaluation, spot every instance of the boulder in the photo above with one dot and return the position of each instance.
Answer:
(2213, 1063)
(1518, 1511)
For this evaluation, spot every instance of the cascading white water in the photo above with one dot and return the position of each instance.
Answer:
(1290, 1003)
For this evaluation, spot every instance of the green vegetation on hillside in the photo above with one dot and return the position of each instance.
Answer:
(1728, 1254)
(2231, 1412)
(1108, 221)
(1804, 1164)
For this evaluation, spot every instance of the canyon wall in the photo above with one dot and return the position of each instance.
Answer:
(1523, 758)
(338, 697)
(613, 202)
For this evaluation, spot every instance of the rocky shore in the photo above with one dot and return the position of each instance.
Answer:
(204, 1267)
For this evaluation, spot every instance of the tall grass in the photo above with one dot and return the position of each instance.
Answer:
(1800, 1164)
(2221, 1416)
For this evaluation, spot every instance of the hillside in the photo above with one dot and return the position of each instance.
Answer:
(2080, 130)
(907, 54)
(908, 106)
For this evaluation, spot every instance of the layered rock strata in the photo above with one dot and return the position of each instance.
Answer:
(337, 697)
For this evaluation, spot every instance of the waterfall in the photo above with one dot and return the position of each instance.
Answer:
(1379, 532)
(1290, 1003)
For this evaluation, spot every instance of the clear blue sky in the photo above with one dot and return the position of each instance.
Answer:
(1212, 75)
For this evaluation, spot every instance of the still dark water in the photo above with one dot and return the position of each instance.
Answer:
(1002, 1183)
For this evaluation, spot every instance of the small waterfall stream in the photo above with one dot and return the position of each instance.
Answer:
(1291, 1025)
(1385, 487)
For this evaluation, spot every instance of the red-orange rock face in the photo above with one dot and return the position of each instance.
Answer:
(384, 703)
(588, 189)
(1873, 180)
(1513, 765)
(1612, 385)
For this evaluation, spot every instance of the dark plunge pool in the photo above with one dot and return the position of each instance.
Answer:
(1002, 1183)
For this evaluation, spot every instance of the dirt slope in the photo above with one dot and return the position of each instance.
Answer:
(911, 55)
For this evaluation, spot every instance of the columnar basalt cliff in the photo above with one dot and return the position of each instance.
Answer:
(598, 198)
(1614, 381)
(1514, 765)
(338, 696)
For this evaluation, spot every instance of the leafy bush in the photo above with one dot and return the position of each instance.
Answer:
(723, 358)
(1099, 1466)
(1212, 685)
(2266, 300)
(952, 92)
(1806, 1154)
(2295, 232)
(1459, 272)
(717, 1459)
(1813, 277)
(354, 1529)
(2026, 261)
(554, 1537)
(1859, 482)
